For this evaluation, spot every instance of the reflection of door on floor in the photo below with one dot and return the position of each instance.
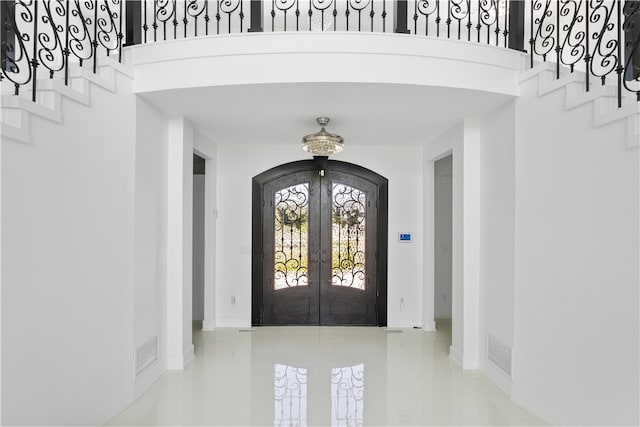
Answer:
(320, 258)
(291, 390)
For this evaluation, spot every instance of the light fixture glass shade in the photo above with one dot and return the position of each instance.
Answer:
(322, 143)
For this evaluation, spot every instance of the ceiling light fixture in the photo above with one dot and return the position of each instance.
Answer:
(322, 143)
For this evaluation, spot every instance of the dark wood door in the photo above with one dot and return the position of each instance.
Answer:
(291, 268)
(348, 271)
(320, 249)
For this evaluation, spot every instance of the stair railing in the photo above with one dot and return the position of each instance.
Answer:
(596, 37)
(47, 36)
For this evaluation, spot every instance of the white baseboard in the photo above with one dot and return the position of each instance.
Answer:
(148, 377)
(429, 326)
(208, 325)
(498, 377)
(189, 355)
(233, 323)
(180, 362)
(469, 362)
(455, 355)
(175, 363)
(105, 412)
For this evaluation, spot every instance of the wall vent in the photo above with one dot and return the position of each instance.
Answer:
(146, 355)
(500, 355)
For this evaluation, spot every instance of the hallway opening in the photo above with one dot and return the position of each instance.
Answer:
(198, 252)
(443, 225)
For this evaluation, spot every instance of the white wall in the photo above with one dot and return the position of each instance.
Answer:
(150, 236)
(237, 165)
(67, 266)
(576, 346)
(402, 166)
(443, 222)
(497, 235)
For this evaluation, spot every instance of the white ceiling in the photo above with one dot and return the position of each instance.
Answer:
(363, 113)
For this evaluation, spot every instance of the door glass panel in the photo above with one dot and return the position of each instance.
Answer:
(348, 237)
(291, 228)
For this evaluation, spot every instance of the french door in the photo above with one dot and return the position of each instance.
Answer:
(319, 255)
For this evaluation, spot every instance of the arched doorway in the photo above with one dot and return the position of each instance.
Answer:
(319, 245)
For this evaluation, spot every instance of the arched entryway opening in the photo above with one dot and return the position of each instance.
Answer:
(319, 245)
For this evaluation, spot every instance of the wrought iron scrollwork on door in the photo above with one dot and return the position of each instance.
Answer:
(291, 228)
(348, 236)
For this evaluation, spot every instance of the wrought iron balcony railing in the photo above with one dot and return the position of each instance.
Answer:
(596, 37)
(461, 19)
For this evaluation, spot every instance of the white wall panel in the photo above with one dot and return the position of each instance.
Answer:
(576, 338)
(67, 266)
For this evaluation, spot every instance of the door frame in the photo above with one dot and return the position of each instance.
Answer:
(318, 163)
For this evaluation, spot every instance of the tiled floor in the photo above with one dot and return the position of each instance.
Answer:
(323, 376)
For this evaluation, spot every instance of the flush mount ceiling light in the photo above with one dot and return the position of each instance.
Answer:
(322, 143)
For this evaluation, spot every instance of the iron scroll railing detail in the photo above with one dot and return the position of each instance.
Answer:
(631, 67)
(596, 37)
(599, 38)
(485, 21)
(53, 35)
(16, 65)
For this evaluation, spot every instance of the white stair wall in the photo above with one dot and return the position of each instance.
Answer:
(15, 111)
(604, 98)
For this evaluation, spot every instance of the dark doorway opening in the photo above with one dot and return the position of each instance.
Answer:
(198, 238)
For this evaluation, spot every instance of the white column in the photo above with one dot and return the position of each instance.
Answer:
(428, 320)
(457, 254)
(210, 216)
(471, 243)
(465, 247)
(179, 243)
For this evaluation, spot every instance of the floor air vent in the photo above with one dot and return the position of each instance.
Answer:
(500, 355)
(394, 331)
(146, 355)
(246, 330)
